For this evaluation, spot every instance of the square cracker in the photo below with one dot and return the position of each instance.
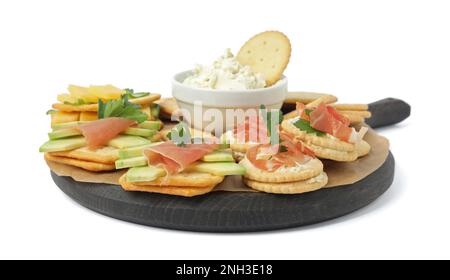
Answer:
(86, 165)
(88, 116)
(185, 179)
(168, 105)
(171, 190)
(106, 155)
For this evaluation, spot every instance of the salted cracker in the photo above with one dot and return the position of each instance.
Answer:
(298, 187)
(336, 155)
(178, 191)
(305, 97)
(267, 53)
(185, 179)
(351, 107)
(86, 165)
(106, 155)
(302, 172)
(364, 114)
(312, 139)
(168, 107)
(326, 99)
(363, 148)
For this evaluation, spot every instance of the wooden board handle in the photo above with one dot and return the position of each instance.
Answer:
(388, 111)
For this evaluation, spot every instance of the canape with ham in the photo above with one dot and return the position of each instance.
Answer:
(288, 167)
(250, 133)
(327, 133)
(181, 166)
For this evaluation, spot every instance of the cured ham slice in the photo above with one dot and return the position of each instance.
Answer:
(98, 133)
(327, 119)
(301, 111)
(292, 153)
(253, 155)
(175, 159)
(297, 146)
(252, 130)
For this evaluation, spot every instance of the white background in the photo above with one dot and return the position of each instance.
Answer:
(361, 51)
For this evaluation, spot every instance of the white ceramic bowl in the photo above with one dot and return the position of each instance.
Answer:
(272, 97)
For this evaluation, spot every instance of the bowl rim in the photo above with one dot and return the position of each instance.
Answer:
(282, 82)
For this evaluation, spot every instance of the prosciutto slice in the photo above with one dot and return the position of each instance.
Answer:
(99, 133)
(293, 153)
(301, 111)
(175, 159)
(252, 130)
(327, 119)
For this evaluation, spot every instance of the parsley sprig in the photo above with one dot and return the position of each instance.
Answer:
(305, 126)
(132, 95)
(180, 135)
(120, 108)
(269, 116)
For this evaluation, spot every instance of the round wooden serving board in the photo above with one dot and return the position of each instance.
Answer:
(229, 211)
(241, 211)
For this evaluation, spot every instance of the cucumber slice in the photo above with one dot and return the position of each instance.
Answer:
(218, 168)
(61, 145)
(61, 129)
(140, 132)
(144, 174)
(63, 133)
(57, 126)
(153, 125)
(128, 141)
(135, 151)
(218, 156)
(131, 162)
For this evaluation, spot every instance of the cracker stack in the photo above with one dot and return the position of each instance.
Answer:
(80, 105)
(356, 113)
(186, 184)
(67, 110)
(306, 178)
(328, 147)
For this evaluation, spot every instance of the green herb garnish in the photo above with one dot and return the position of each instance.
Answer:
(132, 95)
(283, 149)
(268, 115)
(120, 108)
(308, 111)
(305, 126)
(180, 135)
(272, 128)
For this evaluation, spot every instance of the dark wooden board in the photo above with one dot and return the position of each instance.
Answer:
(229, 211)
(242, 211)
(388, 111)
